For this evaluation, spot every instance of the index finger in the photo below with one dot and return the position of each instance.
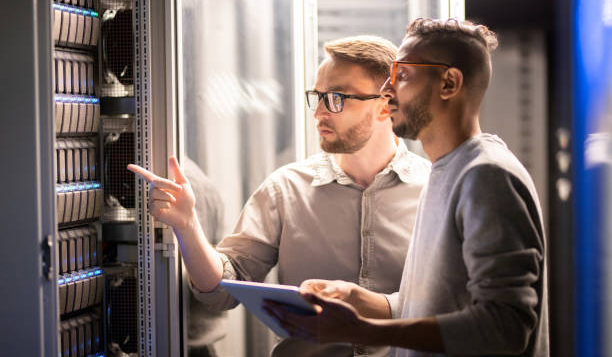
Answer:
(143, 173)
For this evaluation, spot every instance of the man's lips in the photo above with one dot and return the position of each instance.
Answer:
(325, 131)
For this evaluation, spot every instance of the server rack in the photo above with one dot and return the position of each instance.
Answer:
(86, 259)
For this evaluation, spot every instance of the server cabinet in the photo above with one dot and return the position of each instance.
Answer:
(81, 270)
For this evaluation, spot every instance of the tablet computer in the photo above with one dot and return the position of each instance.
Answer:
(252, 295)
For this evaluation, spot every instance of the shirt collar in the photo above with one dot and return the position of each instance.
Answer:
(327, 170)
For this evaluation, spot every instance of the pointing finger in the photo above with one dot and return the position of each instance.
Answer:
(142, 172)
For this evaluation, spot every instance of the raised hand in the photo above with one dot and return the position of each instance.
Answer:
(170, 202)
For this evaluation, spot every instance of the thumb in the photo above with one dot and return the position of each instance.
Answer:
(177, 171)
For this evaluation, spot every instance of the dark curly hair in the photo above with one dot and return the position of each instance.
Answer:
(462, 44)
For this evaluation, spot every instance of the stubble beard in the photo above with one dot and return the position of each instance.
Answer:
(352, 140)
(415, 116)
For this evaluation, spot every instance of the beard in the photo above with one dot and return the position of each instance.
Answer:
(350, 141)
(415, 116)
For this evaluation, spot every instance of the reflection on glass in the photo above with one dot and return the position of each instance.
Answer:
(238, 112)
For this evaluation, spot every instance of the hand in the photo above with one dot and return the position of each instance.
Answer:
(335, 321)
(335, 289)
(170, 202)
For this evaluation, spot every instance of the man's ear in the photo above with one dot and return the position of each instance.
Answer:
(452, 83)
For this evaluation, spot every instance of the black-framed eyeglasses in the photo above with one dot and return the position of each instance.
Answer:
(334, 101)
(396, 64)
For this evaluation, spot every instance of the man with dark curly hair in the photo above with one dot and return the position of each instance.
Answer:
(474, 280)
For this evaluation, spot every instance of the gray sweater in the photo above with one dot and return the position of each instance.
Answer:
(477, 261)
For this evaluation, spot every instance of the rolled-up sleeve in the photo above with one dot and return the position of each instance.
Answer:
(393, 300)
(252, 250)
(503, 252)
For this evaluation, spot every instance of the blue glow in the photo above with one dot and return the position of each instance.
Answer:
(96, 185)
(76, 277)
(58, 189)
(98, 272)
(83, 276)
(90, 273)
(87, 185)
(592, 53)
(76, 99)
(68, 279)
(60, 282)
(72, 9)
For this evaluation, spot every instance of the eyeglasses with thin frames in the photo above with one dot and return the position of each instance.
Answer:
(334, 101)
(396, 64)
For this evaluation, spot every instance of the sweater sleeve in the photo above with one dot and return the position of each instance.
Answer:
(503, 252)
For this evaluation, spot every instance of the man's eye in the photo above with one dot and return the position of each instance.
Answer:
(402, 76)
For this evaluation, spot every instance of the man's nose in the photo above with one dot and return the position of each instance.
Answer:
(321, 110)
(387, 89)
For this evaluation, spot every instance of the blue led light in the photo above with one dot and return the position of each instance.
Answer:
(95, 100)
(68, 279)
(56, 6)
(87, 185)
(83, 276)
(76, 277)
(94, 14)
(60, 281)
(98, 272)
(90, 273)
(96, 185)
(78, 11)
(58, 188)
(86, 12)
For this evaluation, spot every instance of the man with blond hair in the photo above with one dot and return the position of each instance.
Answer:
(345, 213)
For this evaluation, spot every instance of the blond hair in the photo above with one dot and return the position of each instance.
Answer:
(374, 54)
